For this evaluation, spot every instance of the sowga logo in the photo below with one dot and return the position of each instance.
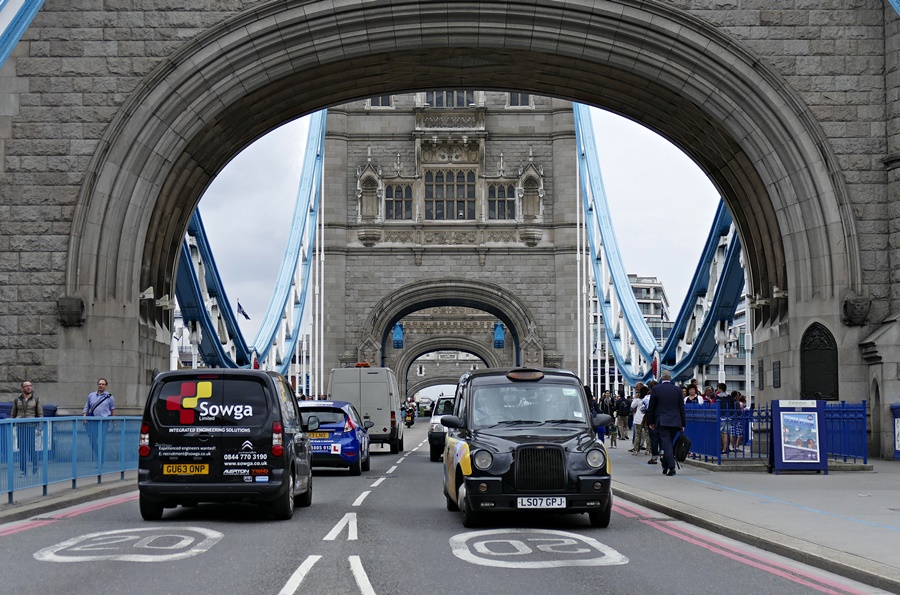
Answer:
(192, 400)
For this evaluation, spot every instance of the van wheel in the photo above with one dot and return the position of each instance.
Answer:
(150, 511)
(305, 499)
(367, 464)
(401, 444)
(356, 468)
(395, 446)
(283, 508)
(435, 454)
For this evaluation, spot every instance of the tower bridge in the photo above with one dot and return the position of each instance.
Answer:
(113, 122)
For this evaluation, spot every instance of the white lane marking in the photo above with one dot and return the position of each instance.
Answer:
(350, 521)
(532, 548)
(116, 545)
(359, 573)
(293, 583)
(362, 497)
(400, 460)
(391, 470)
(377, 482)
(415, 449)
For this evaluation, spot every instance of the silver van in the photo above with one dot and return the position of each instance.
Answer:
(375, 394)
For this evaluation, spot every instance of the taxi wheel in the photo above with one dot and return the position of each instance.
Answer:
(356, 468)
(367, 464)
(305, 499)
(601, 517)
(470, 517)
(436, 454)
(451, 505)
(150, 511)
(283, 508)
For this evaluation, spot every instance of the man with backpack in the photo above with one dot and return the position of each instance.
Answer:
(26, 405)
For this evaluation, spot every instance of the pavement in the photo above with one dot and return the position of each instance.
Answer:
(846, 522)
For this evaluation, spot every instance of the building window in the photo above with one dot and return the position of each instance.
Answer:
(501, 201)
(398, 202)
(519, 100)
(449, 194)
(380, 101)
(450, 98)
(420, 371)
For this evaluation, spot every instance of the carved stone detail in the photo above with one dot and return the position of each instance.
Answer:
(369, 236)
(399, 237)
(855, 310)
(531, 236)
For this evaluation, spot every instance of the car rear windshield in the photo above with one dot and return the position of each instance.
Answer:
(326, 415)
(211, 401)
(536, 402)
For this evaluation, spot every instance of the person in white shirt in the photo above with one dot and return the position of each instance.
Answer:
(641, 434)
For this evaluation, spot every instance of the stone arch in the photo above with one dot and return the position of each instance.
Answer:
(412, 389)
(449, 292)
(737, 119)
(450, 343)
(818, 363)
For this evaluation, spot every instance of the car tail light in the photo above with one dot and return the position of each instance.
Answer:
(348, 426)
(144, 449)
(277, 439)
(393, 419)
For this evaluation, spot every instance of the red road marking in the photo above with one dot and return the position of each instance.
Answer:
(28, 524)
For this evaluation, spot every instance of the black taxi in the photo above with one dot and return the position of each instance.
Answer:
(525, 439)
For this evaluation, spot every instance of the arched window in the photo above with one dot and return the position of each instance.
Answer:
(818, 364)
(501, 201)
(398, 202)
(449, 194)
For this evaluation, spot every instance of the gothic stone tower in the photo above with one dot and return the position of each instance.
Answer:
(450, 198)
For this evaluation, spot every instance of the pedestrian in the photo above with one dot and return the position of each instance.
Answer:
(641, 431)
(608, 407)
(623, 410)
(100, 403)
(737, 424)
(692, 396)
(25, 406)
(726, 411)
(666, 413)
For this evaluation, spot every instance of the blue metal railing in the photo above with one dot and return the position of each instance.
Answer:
(38, 452)
(844, 432)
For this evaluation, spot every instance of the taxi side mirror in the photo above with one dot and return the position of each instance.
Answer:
(451, 421)
(312, 424)
(601, 420)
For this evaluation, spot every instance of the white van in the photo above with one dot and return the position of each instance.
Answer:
(375, 394)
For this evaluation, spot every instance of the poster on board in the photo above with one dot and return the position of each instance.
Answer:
(798, 436)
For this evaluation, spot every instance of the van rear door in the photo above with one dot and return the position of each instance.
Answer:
(211, 430)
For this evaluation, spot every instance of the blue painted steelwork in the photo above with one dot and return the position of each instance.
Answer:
(600, 232)
(188, 288)
(193, 304)
(896, 5)
(63, 451)
(398, 336)
(11, 35)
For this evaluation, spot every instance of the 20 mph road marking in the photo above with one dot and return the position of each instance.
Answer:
(532, 548)
(156, 544)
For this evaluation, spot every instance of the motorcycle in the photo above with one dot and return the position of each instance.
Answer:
(409, 417)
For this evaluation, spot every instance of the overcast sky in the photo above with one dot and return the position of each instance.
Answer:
(661, 204)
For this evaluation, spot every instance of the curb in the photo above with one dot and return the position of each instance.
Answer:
(46, 504)
(844, 564)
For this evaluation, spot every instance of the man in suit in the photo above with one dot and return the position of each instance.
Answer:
(666, 414)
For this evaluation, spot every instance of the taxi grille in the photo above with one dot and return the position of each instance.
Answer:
(540, 470)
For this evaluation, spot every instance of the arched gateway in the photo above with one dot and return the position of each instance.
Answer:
(810, 207)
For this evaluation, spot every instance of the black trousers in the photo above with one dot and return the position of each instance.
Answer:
(666, 438)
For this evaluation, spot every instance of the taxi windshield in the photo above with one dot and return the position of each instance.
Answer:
(527, 403)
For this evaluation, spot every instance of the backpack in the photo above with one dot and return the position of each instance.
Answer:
(681, 447)
(623, 408)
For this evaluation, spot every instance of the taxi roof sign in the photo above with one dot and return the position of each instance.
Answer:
(525, 374)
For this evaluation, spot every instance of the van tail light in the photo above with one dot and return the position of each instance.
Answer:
(277, 439)
(393, 419)
(348, 426)
(144, 448)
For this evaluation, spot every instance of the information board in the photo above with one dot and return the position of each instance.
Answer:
(798, 436)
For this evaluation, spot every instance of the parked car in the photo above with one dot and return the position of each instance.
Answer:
(342, 438)
(223, 435)
(525, 439)
(437, 433)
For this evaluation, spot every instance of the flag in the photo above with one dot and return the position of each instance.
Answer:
(242, 311)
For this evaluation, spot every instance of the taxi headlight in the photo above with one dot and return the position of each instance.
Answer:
(596, 458)
(436, 428)
(482, 460)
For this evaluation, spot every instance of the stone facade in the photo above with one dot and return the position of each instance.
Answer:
(114, 115)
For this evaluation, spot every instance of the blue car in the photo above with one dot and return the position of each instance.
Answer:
(342, 439)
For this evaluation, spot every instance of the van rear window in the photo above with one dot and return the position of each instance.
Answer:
(206, 402)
